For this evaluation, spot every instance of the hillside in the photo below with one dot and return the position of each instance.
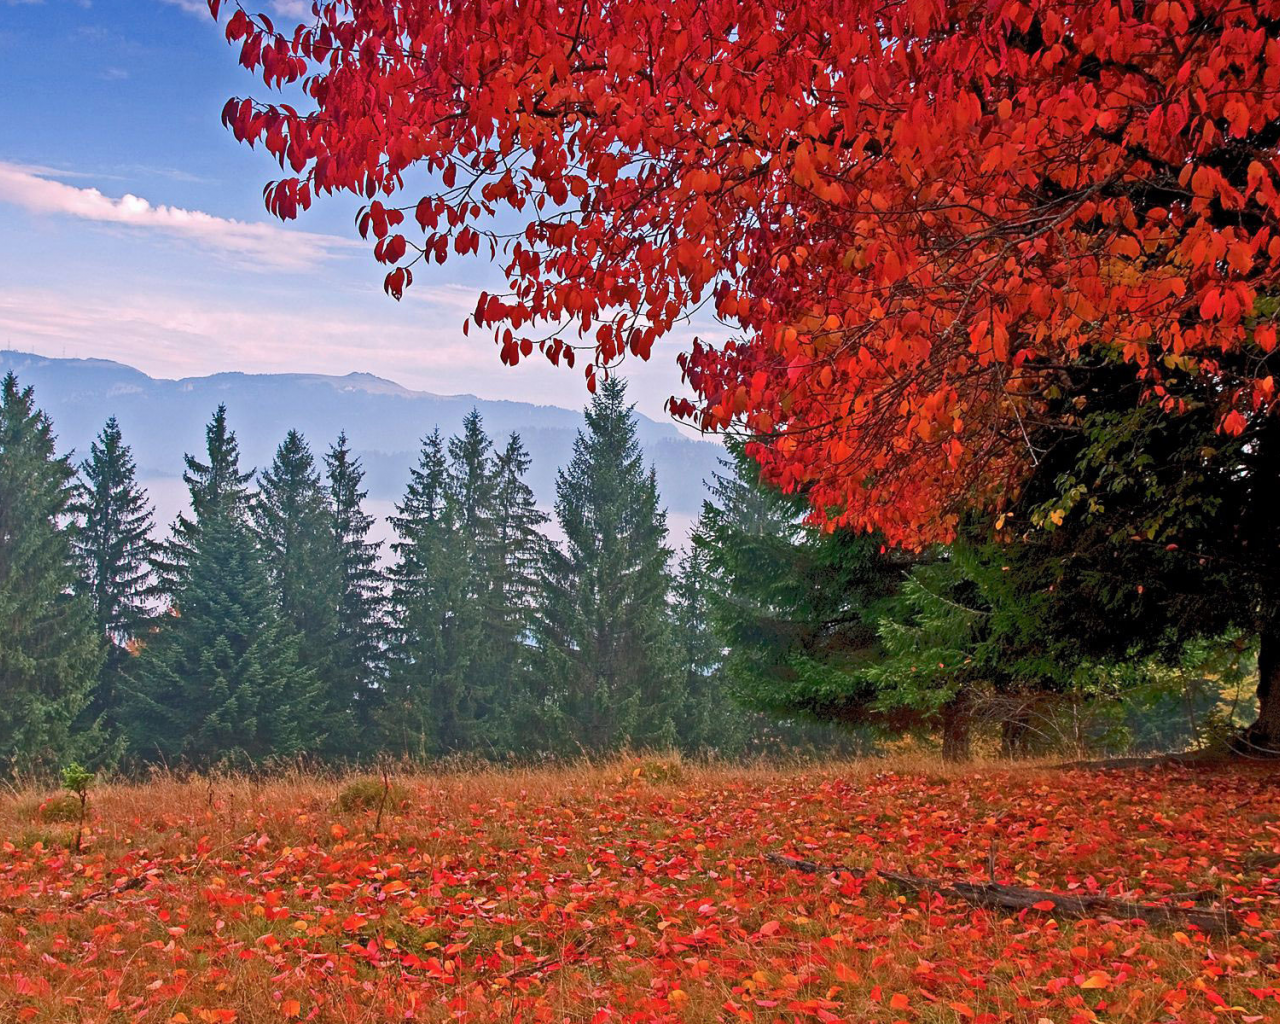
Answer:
(385, 422)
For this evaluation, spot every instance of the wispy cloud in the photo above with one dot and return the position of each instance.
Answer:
(190, 6)
(285, 8)
(417, 344)
(259, 244)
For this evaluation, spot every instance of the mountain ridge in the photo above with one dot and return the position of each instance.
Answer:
(163, 418)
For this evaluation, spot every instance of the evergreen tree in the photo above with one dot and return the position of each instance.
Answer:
(428, 708)
(219, 678)
(709, 719)
(212, 485)
(219, 681)
(519, 549)
(293, 522)
(797, 609)
(50, 649)
(478, 649)
(606, 672)
(114, 547)
(930, 636)
(359, 657)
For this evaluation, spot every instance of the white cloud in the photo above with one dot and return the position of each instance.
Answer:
(257, 244)
(300, 9)
(419, 344)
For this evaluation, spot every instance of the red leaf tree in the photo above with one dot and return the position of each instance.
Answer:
(908, 214)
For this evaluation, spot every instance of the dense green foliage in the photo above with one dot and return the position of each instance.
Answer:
(292, 518)
(50, 648)
(797, 608)
(606, 665)
(115, 550)
(358, 649)
(222, 676)
(1089, 614)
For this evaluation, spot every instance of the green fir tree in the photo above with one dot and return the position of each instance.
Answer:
(606, 672)
(115, 548)
(360, 653)
(212, 485)
(427, 707)
(219, 679)
(292, 518)
(50, 648)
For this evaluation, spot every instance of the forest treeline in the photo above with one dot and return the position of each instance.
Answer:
(267, 624)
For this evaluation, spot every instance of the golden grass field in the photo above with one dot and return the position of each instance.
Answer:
(638, 890)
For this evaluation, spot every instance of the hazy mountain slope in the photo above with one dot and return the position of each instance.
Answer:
(161, 419)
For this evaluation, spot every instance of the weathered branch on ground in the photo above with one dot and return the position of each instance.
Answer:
(136, 882)
(1214, 921)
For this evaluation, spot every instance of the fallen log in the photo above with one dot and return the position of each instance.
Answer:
(1211, 921)
(136, 882)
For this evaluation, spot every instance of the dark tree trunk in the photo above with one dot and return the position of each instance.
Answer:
(1264, 735)
(1015, 734)
(957, 725)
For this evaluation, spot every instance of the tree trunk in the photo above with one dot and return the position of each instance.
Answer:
(1263, 737)
(957, 725)
(1015, 732)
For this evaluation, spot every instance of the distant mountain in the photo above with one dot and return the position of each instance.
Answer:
(385, 423)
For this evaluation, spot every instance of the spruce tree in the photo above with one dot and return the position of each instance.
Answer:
(114, 547)
(427, 705)
(50, 648)
(519, 550)
(796, 609)
(212, 485)
(360, 653)
(709, 719)
(474, 651)
(291, 516)
(219, 681)
(606, 672)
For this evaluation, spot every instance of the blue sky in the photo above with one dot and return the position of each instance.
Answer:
(132, 226)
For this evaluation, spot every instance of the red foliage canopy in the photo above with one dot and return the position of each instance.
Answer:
(911, 213)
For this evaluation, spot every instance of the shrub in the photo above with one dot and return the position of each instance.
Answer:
(653, 770)
(366, 795)
(64, 808)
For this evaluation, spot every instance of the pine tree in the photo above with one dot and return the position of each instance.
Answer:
(606, 671)
(475, 652)
(360, 652)
(519, 550)
(709, 718)
(796, 609)
(50, 649)
(219, 681)
(427, 706)
(929, 637)
(293, 523)
(219, 678)
(114, 547)
(212, 485)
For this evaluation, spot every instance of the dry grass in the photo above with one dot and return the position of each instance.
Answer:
(633, 890)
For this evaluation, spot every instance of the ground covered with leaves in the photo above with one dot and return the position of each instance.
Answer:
(640, 891)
